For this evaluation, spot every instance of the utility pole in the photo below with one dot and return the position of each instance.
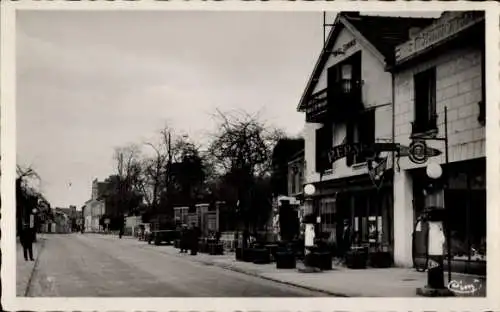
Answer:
(169, 167)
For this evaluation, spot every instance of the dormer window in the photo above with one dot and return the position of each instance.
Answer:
(346, 72)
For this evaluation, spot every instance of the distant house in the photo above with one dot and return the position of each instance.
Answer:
(95, 208)
(62, 222)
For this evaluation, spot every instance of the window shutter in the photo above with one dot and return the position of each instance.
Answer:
(323, 144)
(349, 139)
(319, 150)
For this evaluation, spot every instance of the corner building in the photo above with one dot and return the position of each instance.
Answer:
(443, 65)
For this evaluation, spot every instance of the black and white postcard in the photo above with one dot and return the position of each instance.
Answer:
(229, 156)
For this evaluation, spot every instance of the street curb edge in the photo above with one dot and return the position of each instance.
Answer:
(28, 287)
(230, 268)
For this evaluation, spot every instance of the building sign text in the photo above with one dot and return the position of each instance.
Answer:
(437, 32)
(343, 49)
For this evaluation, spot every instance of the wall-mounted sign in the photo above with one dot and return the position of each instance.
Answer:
(343, 150)
(418, 152)
(448, 25)
(343, 49)
(376, 170)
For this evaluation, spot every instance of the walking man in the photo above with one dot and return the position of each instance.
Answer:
(26, 237)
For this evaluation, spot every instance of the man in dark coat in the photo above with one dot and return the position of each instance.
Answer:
(27, 236)
(346, 237)
(194, 236)
(184, 239)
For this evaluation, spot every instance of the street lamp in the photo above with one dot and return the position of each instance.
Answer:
(309, 189)
(434, 171)
(310, 228)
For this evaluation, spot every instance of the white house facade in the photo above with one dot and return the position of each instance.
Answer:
(348, 107)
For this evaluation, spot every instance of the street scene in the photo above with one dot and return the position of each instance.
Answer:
(237, 158)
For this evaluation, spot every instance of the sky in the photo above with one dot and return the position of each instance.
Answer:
(88, 82)
(91, 81)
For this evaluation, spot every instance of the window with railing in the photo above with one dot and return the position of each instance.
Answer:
(344, 81)
(425, 119)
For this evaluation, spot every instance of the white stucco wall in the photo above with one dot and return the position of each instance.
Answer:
(377, 92)
(458, 87)
(377, 83)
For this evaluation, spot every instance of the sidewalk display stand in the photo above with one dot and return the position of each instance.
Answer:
(380, 259)
(261, 256)
(215, 248)
(322, 260)
(285, 259)
(357, 258)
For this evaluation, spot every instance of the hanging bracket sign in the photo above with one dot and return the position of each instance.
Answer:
(343, 150)
(418, 152)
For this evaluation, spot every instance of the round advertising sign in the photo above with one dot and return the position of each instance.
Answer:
(418, 152)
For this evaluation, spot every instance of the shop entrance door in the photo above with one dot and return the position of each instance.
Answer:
(342, 217)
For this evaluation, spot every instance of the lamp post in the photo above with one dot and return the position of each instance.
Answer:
(311, 229)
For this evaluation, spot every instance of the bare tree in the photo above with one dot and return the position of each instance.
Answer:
(156, 168)
(242, 150)
(128, 172)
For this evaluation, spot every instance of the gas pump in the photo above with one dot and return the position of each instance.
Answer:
(419, 243)
(435, 249)
(433, 234)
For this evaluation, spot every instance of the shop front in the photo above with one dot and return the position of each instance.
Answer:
(464, 198)
(357, 209)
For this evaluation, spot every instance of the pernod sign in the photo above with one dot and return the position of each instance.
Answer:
(448, 25)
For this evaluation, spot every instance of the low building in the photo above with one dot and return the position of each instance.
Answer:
(95, 208)
(132, 224)
(62, 222)
(181, 215)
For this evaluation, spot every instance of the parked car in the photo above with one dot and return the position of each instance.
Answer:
(163, 236)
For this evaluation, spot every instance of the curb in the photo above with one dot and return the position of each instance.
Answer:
(234, 269)
(35, 266)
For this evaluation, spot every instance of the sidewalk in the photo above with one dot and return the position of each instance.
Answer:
(344, 282)
(24, 269)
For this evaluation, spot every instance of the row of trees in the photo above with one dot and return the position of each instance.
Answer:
(235, 167)
(28, 197)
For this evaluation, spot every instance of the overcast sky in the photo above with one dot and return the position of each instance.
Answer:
(90, 81)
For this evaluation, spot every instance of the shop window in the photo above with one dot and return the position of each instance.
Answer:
(327, 213)
(361, 131)
(425, 102)
(467, 224)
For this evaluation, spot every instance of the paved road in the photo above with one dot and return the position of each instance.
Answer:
(76, 265)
